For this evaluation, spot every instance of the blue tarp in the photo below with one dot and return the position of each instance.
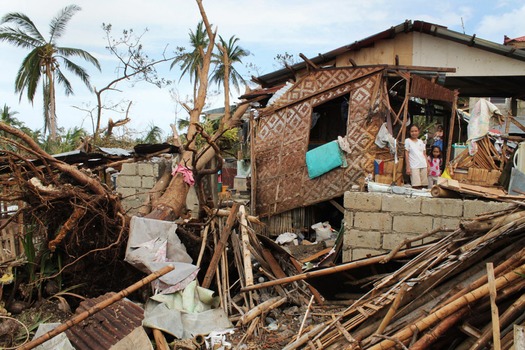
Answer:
(324, 158)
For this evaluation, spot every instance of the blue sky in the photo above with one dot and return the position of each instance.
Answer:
(265, 28)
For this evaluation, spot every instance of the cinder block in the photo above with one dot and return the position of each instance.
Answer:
(146, 169)
(126, 192)
(396, 203)
(472, 208)
(360, 253)
(446, 223)
(442, 207)
(349, 220)
(412, 224)
(148, 182)
(392, 240)
(129, 181)
(128, 169)
(347, 255)
(373, 221)
(363, 201)
(363, 239)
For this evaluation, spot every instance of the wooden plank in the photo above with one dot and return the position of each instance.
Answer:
(496, 338)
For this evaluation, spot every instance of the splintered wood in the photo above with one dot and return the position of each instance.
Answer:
(441, 291)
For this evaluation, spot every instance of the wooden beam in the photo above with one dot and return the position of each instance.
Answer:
(309, 62)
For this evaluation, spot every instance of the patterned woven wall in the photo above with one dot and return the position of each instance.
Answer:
(282, 139)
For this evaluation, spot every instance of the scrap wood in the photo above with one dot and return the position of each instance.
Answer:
(507, 318)
(160, 339)
(480, 225)
(512, 262)
(335, 269)
(221, 245)
(247, 258)
(428, 339)
(305, 317)
(393, 309)
(449, 309)
(496, 341)
(407, 241)
(226, 213)
(480, 191)
(96, 308)
(266, 306)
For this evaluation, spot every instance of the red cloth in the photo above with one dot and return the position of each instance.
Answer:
(186, 173)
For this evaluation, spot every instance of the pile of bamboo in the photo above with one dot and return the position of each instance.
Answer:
(465, 291)
(483, 168)
(251, 258)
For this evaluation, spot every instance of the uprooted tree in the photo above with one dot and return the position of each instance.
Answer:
(71, 218)
(193, 160)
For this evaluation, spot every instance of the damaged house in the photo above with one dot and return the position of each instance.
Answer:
(412, 71)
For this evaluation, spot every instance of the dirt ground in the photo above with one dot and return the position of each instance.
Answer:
(280, 325)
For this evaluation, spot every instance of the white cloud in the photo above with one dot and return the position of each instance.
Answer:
(265, 28)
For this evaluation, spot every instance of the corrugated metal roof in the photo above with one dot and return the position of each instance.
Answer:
(485, 86)
(107, 327)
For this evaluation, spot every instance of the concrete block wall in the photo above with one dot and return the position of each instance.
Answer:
(375, 223)
(136, 179)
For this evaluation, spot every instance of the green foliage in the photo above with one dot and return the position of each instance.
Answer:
(235, 55)
(46, 60)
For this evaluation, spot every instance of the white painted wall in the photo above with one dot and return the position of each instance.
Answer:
(469, 61)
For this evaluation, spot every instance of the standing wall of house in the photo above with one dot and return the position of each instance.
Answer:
(375, 223)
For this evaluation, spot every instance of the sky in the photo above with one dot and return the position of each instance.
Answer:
(265, 28)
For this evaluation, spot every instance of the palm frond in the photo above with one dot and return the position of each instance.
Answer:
(79, 72)
(69, 51)
(58, 24)
(68, 89)
(19, 38)
(23, 22)
(29, 75)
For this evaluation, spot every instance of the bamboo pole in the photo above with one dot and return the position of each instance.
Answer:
(449, 309)
(160, 340)
(496, 338)
(268, 305)
(247, 257)
(510, 263)
(335, 269)
(451, 127)
(407, 241)
(221, 245)
(96, 308)
(305, 316)
(393, 308)
(428, 339)
(506, 318)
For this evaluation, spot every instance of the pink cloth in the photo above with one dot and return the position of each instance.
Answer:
(186, 173)
(435, 164)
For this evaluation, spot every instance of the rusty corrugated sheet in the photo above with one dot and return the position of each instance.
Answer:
(106, 327)
(423, 88)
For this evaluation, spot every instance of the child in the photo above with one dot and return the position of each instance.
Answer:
(438, 137)
(416, 160)
(434, 159)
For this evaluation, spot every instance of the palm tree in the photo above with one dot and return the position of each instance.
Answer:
(191, 61)
(8, 116)
(43, 59)
(234, 55)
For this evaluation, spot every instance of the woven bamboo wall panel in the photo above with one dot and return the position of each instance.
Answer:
(271, 130)
(323, 80)
(296, 124)
(282, 177)
(293, 157)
